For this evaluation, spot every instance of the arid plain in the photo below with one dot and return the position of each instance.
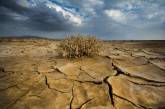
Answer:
(125, 75)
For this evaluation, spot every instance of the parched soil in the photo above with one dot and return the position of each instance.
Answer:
(126, 75)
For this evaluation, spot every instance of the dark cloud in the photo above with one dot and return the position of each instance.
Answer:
(38, 18)
(108, 19)
(13, 5)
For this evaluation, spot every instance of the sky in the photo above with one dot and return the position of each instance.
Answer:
(106, 19)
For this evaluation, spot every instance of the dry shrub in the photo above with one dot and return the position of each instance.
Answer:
(79, 45)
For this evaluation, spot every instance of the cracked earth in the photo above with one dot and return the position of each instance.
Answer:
(126, 75)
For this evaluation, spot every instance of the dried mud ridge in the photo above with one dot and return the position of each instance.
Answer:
(126, 79)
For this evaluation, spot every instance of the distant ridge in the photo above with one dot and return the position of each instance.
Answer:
(23, 37)
(26, 37)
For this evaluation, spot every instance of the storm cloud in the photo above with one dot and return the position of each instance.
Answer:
(107, 19)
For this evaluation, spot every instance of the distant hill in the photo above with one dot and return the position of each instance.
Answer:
(26, 37)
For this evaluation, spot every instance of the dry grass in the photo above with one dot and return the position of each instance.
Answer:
(79, 45)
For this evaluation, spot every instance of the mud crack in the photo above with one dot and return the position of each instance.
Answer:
(155, 85)
(110, 90)
(16, 84)
(15, 101)
(58, 70)
(83, 104)
(48, 86)
(72, 97)
(93, 82)
(138, 106)
(119, 71)
(86, 72)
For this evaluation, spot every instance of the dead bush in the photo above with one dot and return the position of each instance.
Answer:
(79, 45)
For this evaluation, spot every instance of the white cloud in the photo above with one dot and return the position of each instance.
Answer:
(20, 17)
(72, 17)
(150, 10)
(116, 15)
(90, 6)
(130, 4)
(126, 5)
(27, 3)
(150, 16)
(96, 2)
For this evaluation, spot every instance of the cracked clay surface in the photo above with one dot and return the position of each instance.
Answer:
(126, 75)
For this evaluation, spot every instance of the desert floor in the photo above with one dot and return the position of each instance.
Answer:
(126, 75)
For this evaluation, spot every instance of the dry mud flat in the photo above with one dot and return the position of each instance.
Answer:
(126, 75)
